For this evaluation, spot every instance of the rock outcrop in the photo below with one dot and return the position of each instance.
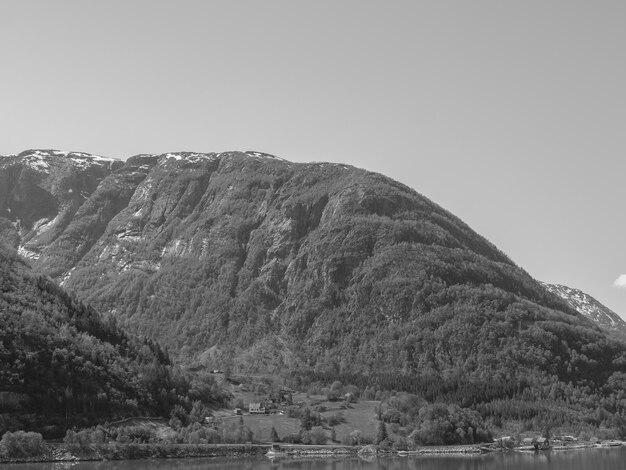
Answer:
(583, 303)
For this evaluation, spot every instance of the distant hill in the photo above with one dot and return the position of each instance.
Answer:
(606, 318)
(315, 271)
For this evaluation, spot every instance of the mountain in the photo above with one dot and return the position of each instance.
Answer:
(61, 364)
(316, 271)
(606, 318)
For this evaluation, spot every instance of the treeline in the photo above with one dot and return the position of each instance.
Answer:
(536, 401)
(460, 389)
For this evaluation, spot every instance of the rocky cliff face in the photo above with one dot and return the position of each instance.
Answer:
(600, 314)
(269, 264)
(41, 192)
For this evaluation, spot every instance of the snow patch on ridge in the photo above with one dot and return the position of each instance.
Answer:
(255, 154)
(188, 157)
(129, 236)
(36, 163)
(40, 160)
(587, 305)
(66, 276)
(175, 248)
(205, 248)
(43, 225)
(28, 254)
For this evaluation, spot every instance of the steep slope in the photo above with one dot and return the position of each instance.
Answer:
(61, 364)
(583, 303)
(316, 269)
(41, 192)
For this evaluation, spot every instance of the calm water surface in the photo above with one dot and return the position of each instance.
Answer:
(587, 459)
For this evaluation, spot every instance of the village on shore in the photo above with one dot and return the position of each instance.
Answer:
(278, 422)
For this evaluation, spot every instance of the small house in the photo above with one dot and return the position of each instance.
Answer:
(541, 443)
(505, 441)
(256, 408)
(238, 411)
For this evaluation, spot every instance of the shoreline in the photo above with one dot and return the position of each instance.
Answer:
(63, 453)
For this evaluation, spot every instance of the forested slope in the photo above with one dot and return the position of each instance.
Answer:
(61, 364)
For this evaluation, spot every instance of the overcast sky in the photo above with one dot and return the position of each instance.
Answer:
(510, 114)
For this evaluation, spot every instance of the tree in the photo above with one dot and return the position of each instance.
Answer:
(336, 391)
(274, 437)
(316, 436)
(546, 432)
(355, 438)
(307, 421)
(178, 417)
(198, 412)
(381, 435)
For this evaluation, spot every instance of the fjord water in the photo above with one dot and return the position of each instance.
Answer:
(583, 459)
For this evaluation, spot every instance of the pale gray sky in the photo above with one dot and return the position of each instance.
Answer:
(511, 114)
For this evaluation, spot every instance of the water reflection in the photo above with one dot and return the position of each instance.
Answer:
(596, 459)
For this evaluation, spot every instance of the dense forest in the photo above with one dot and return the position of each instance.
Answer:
(61, 364)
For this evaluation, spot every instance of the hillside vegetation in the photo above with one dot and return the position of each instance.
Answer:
(321, 273)
(61, 364)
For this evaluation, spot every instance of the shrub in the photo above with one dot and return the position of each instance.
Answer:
(293, 438)
(391, 416)
(141, 434)
(385, 444)
(316, 436)
(401, 444)
(122, 437)
(236, 434)
(335, 419)
(84, 438)
(21, 444)
(212, 436)
(355, 438)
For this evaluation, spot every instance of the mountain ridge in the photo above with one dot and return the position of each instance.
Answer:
(591, 308)
(314, 264)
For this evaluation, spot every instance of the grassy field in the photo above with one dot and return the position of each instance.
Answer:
(261, 425)
(358, 416)
(361, 416)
